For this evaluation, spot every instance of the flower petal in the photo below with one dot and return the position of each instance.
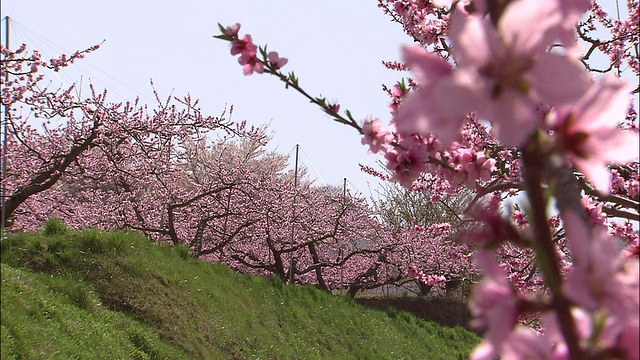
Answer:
(513, 117)
(604, 105)
(474, 40)
(557, 79)
(426, 67)
(619, 148)
(417, 114)
(596, 172)
(526, 25)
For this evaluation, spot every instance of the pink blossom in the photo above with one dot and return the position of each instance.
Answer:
(618, 183)
(412, 272)
(396, 94)
(419, 113)
(625, 232)
(596, 332)
(397, 91)
(520, 218)
(506, 155)
(494, 306)
(589, 134)
(334, 108)
(250, 64)
(407, 161)
(243, 46)
(470, 166)
(526, 344)
(479, 5)
(601, 277)
(434, 280)
(595, 210)
(505, 72)
(377, 137)
(627, 338)
(276, 61)
(394, 65)
(232, 30)
(430, 280)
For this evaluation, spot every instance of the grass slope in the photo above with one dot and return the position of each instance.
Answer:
(116, 295)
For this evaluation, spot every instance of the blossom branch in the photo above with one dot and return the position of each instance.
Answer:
(543, 246)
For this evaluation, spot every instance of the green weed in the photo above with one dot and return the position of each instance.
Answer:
(55, 227)
(119, 295)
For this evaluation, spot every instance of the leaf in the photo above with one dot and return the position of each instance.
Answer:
(348, 113)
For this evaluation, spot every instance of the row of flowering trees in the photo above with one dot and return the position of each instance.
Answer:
(507, 100)
(204, 182)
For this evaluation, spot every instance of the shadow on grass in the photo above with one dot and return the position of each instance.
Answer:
(441, 311)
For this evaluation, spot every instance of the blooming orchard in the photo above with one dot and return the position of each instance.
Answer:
(183, 177)
(503, 101)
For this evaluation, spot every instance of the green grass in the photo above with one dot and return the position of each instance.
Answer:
(116, 295)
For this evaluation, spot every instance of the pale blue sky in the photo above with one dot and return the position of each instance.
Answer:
(334, 47)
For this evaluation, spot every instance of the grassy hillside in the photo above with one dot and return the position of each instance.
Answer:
(116, 295)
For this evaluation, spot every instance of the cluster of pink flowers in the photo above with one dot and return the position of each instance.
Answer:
(376, 136)
(396, 93)
(430, 280)
(626, 233)
(408, 160)
(587, 135)
(622, 31)
(519, 217)
(504, 72)
(246, 49)
(13, 86)
(469, 167)
(630, 187)
(248, 52)
(420, 19)
(395, 65)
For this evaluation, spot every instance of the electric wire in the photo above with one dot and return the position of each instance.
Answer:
(43, 43)
(46, 47)
(313, 166)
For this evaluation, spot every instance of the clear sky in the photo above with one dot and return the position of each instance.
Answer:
(334, 47)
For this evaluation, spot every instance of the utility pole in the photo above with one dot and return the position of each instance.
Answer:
(344, 188)
(295, 185)
(3, 166)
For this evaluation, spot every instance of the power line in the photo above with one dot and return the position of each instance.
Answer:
(41, 43)
(313, 167)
